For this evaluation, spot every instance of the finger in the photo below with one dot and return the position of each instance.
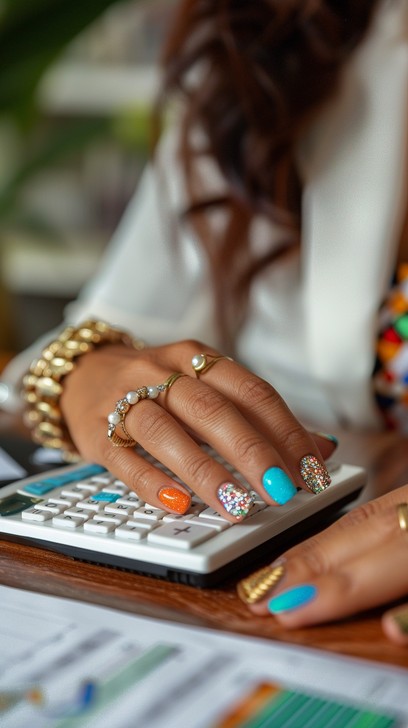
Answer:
(223, 426)
(395, 625)
(262, 406)
(326, 443)
(376, 577)
(166, 441)
(155, 487)
(370, 526)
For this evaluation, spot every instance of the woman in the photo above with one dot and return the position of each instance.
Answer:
(269, 226)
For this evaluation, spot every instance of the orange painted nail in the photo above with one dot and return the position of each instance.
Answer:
(175, 499)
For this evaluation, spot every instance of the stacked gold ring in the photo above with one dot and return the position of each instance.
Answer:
(402, 512)
(122, 407)
(201, 363)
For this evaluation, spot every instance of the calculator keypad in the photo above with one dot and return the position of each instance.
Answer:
(97, 503)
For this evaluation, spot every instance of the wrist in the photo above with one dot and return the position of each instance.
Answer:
(43, 384)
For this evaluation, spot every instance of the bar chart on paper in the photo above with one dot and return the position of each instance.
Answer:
(66, 664)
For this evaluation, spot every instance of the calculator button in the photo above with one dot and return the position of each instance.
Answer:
(75, 491)
(153, 514)
(211, 513)
(79, 513)
(52, 508)
(118, 489)
(145, 524)
(73, 495)
(61, 500)
(130, 533)
(218, 526)
(180, 535)
(87, 488)
(98, 527)
(171, 517)
(91, 505)
(260, 506)
(106, 518)
(120, 509)
(131, 499)
(65, 521)
(35, 514)
(102, 479)
(104, 497)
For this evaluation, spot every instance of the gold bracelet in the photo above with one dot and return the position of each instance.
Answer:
(42, 384)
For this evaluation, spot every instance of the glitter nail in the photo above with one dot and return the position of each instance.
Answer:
(314, 473)
(236, 500)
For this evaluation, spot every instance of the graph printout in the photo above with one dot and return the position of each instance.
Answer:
(66, 664)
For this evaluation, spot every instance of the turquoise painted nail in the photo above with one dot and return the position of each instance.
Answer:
(326, 436)
(278, 485)
(293, 598)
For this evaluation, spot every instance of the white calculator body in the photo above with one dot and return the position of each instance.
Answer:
(85, 512)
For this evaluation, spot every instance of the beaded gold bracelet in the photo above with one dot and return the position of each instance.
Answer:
(42, 384)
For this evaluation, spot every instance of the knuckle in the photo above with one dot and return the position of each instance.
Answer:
(253, 391)
(138, 476)
(291, 435)
(206, 406)
(193, 346)
(358, 516)
(198, 469)
(313, 554)
(152, 425)
(248, 448)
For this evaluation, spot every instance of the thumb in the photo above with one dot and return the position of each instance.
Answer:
(327, 444)
(395, 625)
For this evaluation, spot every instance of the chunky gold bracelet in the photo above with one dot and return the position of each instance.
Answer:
(42, 384)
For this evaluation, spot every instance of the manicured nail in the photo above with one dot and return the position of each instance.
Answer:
(401, 621)
(293, 598)
(314, 473)
(278, 485)
(236, 500)
(255, 587)
(330, 438)
(174, 498)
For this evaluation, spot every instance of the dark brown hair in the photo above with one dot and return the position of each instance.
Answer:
(253, 73)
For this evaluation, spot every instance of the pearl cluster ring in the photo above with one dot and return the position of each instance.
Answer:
(122, 407)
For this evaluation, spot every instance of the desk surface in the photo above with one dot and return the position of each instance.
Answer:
(386, 458)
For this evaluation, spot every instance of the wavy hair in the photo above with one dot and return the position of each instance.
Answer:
(253, 73)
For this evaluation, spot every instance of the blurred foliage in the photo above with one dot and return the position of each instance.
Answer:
(33, 34)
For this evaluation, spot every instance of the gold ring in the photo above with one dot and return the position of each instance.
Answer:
(201, 363)
(402, 511)
(257, 585)
(122, 407)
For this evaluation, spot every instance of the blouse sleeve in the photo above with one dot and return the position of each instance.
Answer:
(153, 279)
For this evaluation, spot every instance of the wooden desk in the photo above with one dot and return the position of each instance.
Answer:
(386, 458)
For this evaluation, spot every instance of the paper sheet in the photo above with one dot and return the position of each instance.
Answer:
(66, 664)
(9, 469)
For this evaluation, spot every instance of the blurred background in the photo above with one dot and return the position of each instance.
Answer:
(77, 85)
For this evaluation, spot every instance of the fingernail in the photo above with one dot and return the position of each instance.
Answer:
(401, 621)
(175, 499)
(314, 473)
(254, 587)
(330, 438)
(236, 500)
(293, 598)
(278, 485)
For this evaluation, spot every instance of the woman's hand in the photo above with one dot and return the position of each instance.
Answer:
(238, 414)
(358, 563)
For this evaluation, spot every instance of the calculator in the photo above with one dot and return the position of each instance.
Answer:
(83, 511)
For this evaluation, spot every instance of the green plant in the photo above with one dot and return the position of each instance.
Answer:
(33, 35)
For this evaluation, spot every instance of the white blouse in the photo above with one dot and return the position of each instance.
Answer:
(312, 319)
